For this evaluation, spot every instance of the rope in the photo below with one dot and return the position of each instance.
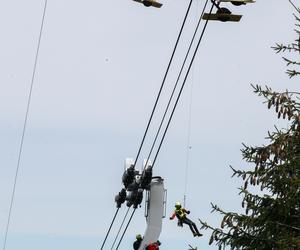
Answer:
(188, 148)
(163, 82)
(297, 9)
(161, 87)
(126, 228)
(182, 86)
(24, 126)
(199, 42)
(113, 220)
(188, 145)
(120, 229)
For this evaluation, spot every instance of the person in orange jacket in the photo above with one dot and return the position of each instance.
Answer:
(181, 213)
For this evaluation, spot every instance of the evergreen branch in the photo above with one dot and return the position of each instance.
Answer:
(292, 73)
(281, 224)
(289, 62)
(297, 9)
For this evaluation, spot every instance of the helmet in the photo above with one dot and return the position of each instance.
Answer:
(138, 237)
(177, 205)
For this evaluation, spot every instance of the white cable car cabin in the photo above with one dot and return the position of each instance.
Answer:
(155, 210)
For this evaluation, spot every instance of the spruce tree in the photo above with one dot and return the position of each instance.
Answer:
(272, 214)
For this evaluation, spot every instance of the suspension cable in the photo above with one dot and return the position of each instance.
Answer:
(112, 222)
(25, 125)
(200, 39)
(161, 87)
(182, 86)
(175, 86)
(125, 229)
(119, 229)
(163, 82)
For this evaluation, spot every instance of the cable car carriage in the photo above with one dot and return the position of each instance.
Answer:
(149, 3)
(224, 14)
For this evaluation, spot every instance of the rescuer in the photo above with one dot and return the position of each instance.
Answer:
(181, 213)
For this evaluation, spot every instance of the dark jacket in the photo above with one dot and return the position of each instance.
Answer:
(136, 244)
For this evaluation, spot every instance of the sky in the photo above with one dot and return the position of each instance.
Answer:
(99, 70)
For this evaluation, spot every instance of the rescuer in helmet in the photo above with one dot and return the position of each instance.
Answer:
(181, 213)
(138, 241)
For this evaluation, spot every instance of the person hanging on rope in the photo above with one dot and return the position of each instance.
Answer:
(138, 241)
(181, 213)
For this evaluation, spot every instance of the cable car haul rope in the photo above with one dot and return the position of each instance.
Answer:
(158, 96)
(133, 177)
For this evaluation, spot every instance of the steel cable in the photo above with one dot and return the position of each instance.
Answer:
(161, 87)
(192, 60)
(120, 229)
(24, 126)
(111, 224)
(125, 229)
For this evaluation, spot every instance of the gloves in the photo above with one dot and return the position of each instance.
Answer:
(188, 212)
(171, 218)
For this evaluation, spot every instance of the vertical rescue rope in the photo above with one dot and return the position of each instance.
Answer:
(188, 147)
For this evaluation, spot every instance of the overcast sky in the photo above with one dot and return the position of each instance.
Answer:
(100, 67)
